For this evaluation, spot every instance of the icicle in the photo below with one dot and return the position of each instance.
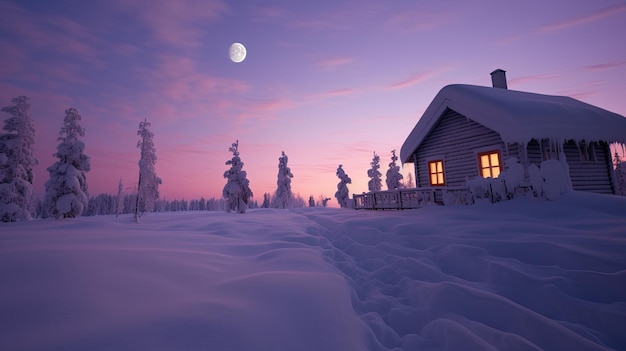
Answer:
(579, 146)
(563, 161)
(558, 146)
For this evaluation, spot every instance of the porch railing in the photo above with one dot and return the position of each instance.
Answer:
(411, 198)
(394, 199)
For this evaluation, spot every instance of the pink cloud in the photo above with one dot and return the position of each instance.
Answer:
(419, 78)
(291, 45)
(382, 118)
(263, 110)
(271, 12)
(193, 149)
(582, 95)
(13, 60)
(321, 23)
(75, 40)
(175, 88)
(125, 50)
(604, 66)
(178, 78)
(333, 63)
(582, 91)
(511, 39)
(331, 94)
(532, 78)
(177, 23)
(590, 17)
(31, 34)
(68, 37)
(62, 73)
(222, 85)
(271, 105)
(314, 21)
(418, 20)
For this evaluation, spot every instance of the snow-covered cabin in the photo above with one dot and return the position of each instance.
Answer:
(468, 131)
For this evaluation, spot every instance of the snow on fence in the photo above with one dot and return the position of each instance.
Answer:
(402, 199)
(394, 199)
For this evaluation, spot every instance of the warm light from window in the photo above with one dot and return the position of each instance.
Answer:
(435, 169)
(490, 164)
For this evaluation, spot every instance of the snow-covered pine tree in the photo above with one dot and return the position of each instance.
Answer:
(119, 200)
(16, 161)
(148, 184)
(40, 209)
(66, 190)
(375, 183)
(311, 201)
(237, 189)
(409, 181)
(342, 194)
(266, 200)
(325, 201)
(322, 201)
(283, 198)
(620, 175)
(394, 178)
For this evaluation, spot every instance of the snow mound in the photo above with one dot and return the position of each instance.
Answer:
(524, 274)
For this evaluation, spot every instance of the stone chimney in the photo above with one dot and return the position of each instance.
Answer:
(498, 79)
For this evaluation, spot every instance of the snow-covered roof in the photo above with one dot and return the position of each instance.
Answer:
(519, 116)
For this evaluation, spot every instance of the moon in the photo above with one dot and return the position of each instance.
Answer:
(237, 52)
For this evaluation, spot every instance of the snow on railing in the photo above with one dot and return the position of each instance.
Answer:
(457, 195)
(395, 199)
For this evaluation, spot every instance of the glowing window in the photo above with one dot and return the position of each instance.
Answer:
(489, 164)
(435, 169)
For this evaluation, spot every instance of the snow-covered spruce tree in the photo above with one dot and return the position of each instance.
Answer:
(342, 194)
(148, 183)
(266, 200)
(394, 178)
(66, 190)
(119, 200)
(409, 181)
(375, 183)
(325, 201)
(283, 198)
(16, 161)
(620, 175)
(237, 190)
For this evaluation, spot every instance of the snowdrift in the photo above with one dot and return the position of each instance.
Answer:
(520, 275)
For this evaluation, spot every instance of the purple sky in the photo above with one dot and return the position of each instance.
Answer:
(327, 83)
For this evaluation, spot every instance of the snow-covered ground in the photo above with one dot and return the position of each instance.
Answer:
(525, 274)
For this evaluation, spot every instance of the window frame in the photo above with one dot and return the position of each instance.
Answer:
(436, 173)
(490, 167)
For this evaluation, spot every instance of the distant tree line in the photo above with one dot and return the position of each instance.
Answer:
(66, 191)
(107, 204)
